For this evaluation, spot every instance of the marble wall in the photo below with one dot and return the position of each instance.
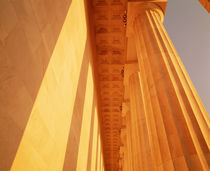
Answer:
(48, 110)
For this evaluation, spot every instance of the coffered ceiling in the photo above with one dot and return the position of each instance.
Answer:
(110, 27)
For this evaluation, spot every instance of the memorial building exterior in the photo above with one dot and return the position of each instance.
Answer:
(96, 85)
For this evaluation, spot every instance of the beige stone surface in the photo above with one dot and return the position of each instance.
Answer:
(48, 111)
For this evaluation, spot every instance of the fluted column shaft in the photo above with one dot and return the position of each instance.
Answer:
(143, 159)
(173, 126)
(129, 143)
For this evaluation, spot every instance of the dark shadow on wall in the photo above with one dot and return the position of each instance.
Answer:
(91, 135)
(97, 141)
(96, 164)
(70, 162)
(29, 32)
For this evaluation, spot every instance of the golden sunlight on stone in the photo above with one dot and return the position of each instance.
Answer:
(96, 85)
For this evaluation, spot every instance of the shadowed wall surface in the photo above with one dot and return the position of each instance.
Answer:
(188, 24)
(28, 34)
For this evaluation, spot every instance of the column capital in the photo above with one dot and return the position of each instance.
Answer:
(136, 8)
(129, 69)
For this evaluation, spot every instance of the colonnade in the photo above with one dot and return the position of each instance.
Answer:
(167, 127)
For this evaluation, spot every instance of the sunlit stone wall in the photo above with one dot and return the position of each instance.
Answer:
(48, 109)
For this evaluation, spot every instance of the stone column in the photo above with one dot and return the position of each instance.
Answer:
(131, 157)
(171, 123)
(143, 158)
(126, 137)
